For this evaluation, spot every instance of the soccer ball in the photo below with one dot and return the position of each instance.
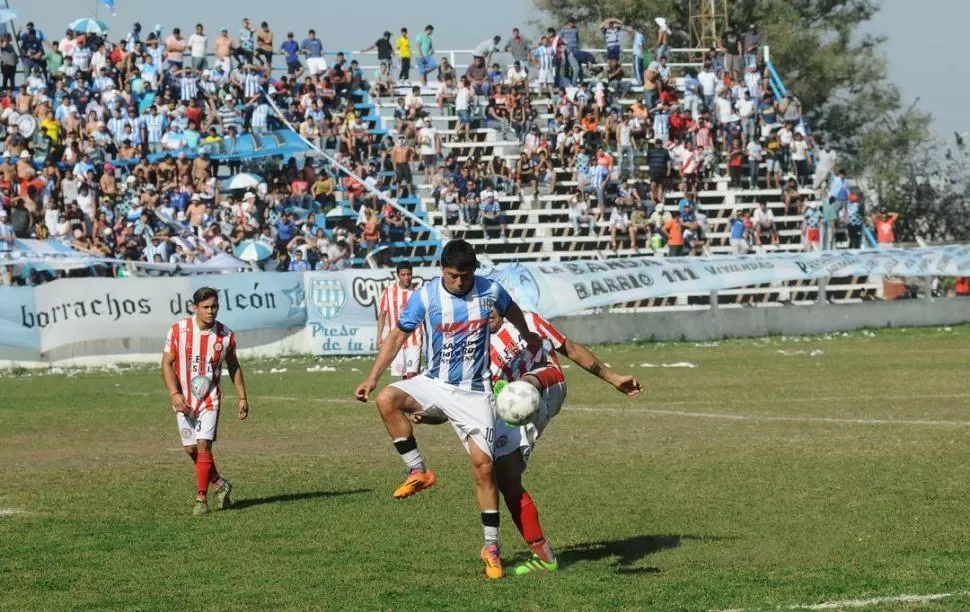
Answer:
(517, 403)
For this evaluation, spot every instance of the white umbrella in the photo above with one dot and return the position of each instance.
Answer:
(7, 15)
(341, 211)
(245, 180)
(86, 25)
(253, 250)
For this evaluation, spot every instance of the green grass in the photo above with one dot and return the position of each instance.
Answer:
(665, 502)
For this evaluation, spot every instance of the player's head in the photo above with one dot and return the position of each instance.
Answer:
(495, 320)
(405, 272)
(206, 302)
(458, 265)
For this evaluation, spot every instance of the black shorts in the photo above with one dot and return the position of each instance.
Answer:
(293, 67)
(658, 176)
(402, 173)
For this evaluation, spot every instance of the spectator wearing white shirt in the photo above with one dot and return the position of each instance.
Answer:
(708, 83)
(544, 56)
(763, 224)
(463, 107)
(197, 44)
(755, 152)
(517, 77)
(799, 157)
(827, 159)
(746, 111)
(430, 145)
(785, 138)
(620, 222)
(82, 58)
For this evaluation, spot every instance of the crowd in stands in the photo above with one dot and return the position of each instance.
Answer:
(106, 142)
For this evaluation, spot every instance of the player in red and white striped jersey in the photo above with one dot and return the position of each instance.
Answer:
(195, 350)
(512, 360)
(407, 363)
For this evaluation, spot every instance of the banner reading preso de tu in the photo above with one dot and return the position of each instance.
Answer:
(71, 311)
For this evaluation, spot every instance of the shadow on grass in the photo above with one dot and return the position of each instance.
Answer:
(292, 497)
(628, 551)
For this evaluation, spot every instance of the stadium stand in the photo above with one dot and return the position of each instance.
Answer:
(380, 171)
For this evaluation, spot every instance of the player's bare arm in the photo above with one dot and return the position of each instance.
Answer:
(391, 346)
(239, 382)
(381, 318)
(171, 383)
(515, 316)
(584, 358)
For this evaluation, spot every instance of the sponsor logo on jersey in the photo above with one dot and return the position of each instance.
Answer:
(328, 296)
(501, 442)
(462, 326)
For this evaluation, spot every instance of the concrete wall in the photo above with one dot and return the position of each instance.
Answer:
(708, 324)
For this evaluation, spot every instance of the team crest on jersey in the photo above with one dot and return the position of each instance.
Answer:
(328, 296)
(200, 386)
(218, 346)
(501, 441)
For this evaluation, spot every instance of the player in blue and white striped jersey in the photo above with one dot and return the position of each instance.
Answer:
(454, 310)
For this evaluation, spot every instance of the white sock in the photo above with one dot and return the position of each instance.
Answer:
(490, 526)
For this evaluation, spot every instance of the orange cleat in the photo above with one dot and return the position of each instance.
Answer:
(416, 482)
(493, 562)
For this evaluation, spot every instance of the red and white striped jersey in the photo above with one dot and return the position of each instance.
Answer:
(512, 359)
(199, 356)
(392, 302)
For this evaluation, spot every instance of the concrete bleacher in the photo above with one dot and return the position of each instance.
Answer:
(540, 229)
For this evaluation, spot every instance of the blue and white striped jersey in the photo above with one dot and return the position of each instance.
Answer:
(457, 330)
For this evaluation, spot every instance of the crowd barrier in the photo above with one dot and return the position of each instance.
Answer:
(334, 313)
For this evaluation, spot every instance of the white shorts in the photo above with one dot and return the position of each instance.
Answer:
(407, 361)
(546, 77)
(471, 413)
(193, 429)
(316, 65)
(510, 439)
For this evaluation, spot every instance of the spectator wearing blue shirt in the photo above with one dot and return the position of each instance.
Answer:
(492, 216)
(285, 230)
(299, 262)
(739, 246)
(638, 42)
(32, 49)
(291, 53)
(312, 48)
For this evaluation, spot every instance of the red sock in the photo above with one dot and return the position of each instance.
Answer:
(203, 470)
(529, 515)
(213, 472)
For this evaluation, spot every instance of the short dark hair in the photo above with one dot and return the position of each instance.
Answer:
(403, 265)
(204, 293)
(460, 255)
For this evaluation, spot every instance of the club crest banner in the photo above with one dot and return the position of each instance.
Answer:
(339, 309)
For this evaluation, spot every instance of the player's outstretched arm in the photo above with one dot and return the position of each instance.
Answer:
(515, 316)
(171, 383)
(584, 358)
(389, 348)
(239, 382)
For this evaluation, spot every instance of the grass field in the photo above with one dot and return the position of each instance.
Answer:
(767, 476)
